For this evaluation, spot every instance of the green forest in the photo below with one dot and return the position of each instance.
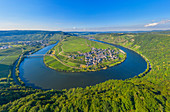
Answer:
(146, 93)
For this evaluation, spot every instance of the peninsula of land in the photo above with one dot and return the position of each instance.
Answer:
(74, 54)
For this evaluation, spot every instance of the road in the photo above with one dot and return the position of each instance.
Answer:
(4, 58)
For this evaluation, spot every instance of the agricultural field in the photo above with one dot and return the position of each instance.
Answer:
(7, 58)
(75, 44)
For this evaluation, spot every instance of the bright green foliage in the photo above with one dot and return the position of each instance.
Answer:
(112, 95)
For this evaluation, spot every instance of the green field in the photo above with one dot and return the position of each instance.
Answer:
(74, 46)
(51, 61)
(9, 56)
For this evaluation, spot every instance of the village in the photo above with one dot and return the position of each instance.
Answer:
(27, 43)
(5, 47)
(96, 56)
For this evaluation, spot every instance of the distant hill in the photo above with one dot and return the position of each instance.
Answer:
(30, 35)
(90, 32)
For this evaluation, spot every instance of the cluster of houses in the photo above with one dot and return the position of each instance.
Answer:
(28, 43)
(96, 56)
(5, 47)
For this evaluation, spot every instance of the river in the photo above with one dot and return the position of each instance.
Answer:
(34, 72)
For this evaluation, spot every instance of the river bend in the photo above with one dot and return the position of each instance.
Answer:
(34, 72)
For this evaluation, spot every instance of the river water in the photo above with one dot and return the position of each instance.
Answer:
(34, 72)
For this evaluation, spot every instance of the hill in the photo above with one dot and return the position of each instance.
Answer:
(28, 35)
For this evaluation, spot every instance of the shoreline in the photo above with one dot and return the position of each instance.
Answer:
(117, 63)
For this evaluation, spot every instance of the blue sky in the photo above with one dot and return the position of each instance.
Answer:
(84, 15)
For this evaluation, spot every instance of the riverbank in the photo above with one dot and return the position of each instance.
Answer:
(148, 69)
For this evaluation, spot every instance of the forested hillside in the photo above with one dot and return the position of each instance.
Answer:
(153, 46)
(149, 93)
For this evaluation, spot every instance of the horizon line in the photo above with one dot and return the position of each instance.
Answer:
(83, 30)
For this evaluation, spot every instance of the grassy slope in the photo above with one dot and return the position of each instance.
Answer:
(146, 94)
